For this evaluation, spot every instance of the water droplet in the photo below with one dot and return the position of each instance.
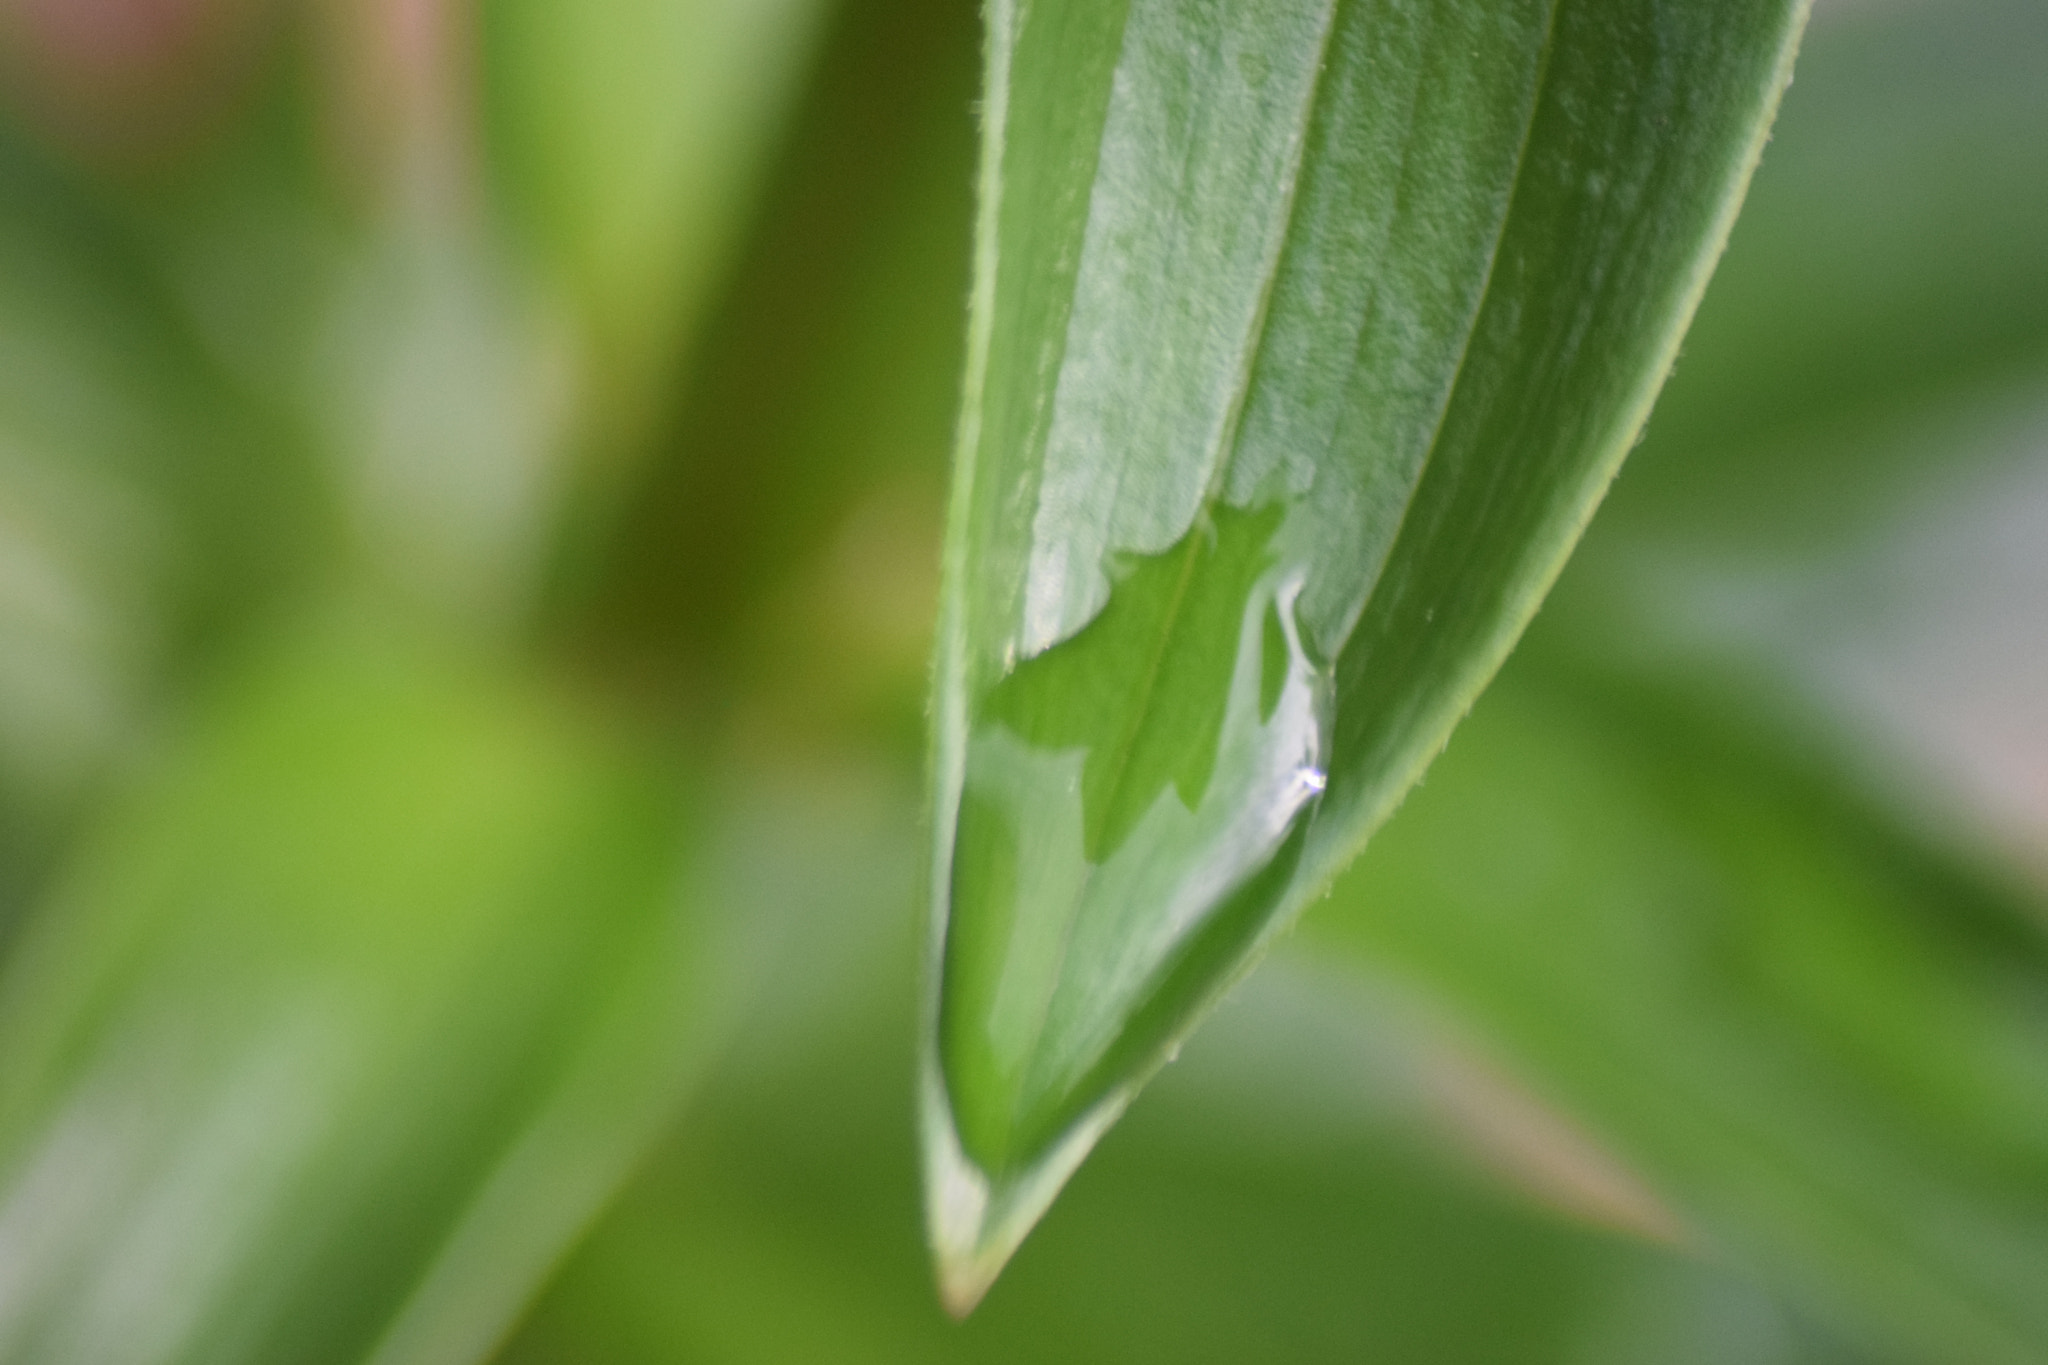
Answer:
(1127, 796)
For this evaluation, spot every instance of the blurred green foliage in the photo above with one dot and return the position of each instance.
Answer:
(469, 508)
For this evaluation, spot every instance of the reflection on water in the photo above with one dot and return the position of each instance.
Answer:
(1108, 831)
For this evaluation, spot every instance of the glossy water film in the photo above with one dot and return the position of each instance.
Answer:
(1124, 791)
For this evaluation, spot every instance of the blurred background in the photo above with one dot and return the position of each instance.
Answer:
(470, 477)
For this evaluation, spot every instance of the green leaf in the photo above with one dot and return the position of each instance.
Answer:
(334, 1034)
(1821, 1039)
(1304, 338)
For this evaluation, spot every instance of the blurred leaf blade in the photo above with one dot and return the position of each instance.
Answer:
(825, 378)
(387, 936)
(147, 494)
(627, 135)
(1887, 266)
(1379, 343)
(1818, 1037)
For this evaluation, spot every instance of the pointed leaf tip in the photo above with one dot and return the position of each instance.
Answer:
(975, 1223)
